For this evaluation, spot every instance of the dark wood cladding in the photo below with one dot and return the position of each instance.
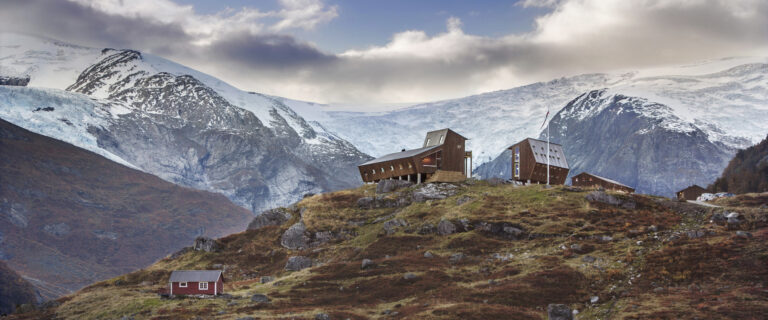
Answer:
(533, 171)
(691, 193)
(589, 180)
(448, 156)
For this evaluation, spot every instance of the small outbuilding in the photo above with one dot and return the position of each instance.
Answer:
(691, 193)
(193, 282)
(529, 162)
(585, 179)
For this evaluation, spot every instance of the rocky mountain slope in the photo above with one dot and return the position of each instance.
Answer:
(69, 217)
(746, 172)
(14, 290)
(471, 250)
(633, 140)
(174, 122)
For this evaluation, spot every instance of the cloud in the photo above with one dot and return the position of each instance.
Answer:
(254, 49)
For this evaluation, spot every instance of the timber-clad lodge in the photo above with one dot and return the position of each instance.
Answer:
(443, 157)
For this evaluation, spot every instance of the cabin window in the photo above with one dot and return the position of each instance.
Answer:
(458, 147)
(410, 165)
(441, 139)
(401, 166)
(577, 179)
(182, 284)
(382, 170)
(391, 168)
(202, 286)
(517, 162)
(428, 140)
(373, 171)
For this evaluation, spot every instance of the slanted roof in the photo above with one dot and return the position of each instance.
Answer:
(606, 179)
(434, 137)
(694, 187)
(195, 275)
(539, 148)
(399, 155)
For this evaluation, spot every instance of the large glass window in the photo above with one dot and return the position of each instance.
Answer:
(517, 162)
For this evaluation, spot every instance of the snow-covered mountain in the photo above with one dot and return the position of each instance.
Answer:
(636, 141)
(177, 123)
(727, 99)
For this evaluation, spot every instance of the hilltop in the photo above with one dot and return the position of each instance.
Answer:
(472, 250)
(746, 172)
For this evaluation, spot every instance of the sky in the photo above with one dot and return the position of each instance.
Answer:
(373, 55)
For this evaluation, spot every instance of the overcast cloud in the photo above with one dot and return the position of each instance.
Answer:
(255, 50)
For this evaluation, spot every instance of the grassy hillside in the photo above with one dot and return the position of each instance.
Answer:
(14, 290)
(69, 217)
(482, 252)
(747, 171)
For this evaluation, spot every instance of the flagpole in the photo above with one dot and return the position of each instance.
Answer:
(547, 150)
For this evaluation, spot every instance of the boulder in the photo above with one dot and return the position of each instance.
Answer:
(434, 191)
(456, 257)
(409, 276)
(367, 263)
(463, 200)
(297, 263)
(205, 244)
(365, 202)
(294, 238)
(259, 298)
(743, 234)
(428, 255)
(386, 186)
(695, 234)
(322, 316)
(266, 279)
(445, 227)
(559, 312)
(391, 226)
(427, 228)
(272, 217)
(602, 197)
(501, 229)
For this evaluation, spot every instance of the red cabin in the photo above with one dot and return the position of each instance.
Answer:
(189, 282)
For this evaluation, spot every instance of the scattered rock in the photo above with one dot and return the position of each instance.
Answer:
(456, 257)
(427, 228)
(463, 200)
(695, 234)
(653, 228)
(259, 298)
(205, 244)
(588, 259)
(391, 226)
(367, 263)
(659, 290)
(594, 299)
(58, 230)
(559, 312)
(743, 234)
(297, 263)
(409, 276)
(501, 229)
(445, 227)
(428, 255)
(322, 316)
(273, 217)
(294, 238)
(572, 189)
(365, 202)
(266, 279)
(385, 186)
(718, 218)
(434, 191)
(602, 197)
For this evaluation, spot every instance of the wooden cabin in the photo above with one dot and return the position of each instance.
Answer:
(691, 193)
(442, 150)
(529, 162)
(590, 180)
(192, 282)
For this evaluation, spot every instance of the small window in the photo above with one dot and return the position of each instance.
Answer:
(373, 171)
(410, 165)
(428, 140)
(382, 170)
(458, 147)
(182, 284)
(202, 286)
(441, 139)
(391, 168)
(401, 166)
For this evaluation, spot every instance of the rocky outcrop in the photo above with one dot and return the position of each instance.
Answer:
(445, 227)
(602, 197)
(501, 229)
(272, 217)
(205, 244)
(386, 186)
(434, 191)
(22, 81)
(297, 263)
(294, 238)
(559, 312)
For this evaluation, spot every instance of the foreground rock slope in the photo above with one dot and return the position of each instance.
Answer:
(470, 250)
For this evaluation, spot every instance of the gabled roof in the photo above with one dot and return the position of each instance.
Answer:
(434, 137)
(694, 186)
(539, 149)
(195, 275)
(605, 179)
(399, 155)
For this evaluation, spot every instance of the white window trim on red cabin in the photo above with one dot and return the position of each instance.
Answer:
(200, 286)
(183, 285)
